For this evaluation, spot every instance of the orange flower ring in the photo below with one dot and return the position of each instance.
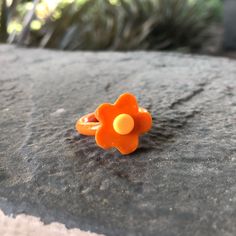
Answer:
(117, 125)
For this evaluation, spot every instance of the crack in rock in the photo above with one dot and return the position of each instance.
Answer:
(187, 98)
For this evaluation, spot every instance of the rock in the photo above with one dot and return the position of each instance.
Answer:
(182, 179)
(229, 25)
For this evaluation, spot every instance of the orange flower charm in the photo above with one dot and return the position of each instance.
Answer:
(118, 125)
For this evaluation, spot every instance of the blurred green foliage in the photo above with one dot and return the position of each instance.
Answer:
(3, 22)
(216, 7)
(108, 24)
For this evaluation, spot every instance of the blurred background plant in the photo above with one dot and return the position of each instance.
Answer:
(108, 24)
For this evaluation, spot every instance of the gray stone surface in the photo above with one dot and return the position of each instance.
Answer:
(229, 42)
(182, 179)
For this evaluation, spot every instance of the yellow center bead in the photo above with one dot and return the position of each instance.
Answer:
(123, 124)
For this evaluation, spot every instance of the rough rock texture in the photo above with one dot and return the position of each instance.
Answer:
(181, 181)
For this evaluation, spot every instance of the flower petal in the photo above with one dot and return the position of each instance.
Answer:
(127, 103)
(127, 143)
(106, 113)
(143, 122)
(107, 138)
(104, 137)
